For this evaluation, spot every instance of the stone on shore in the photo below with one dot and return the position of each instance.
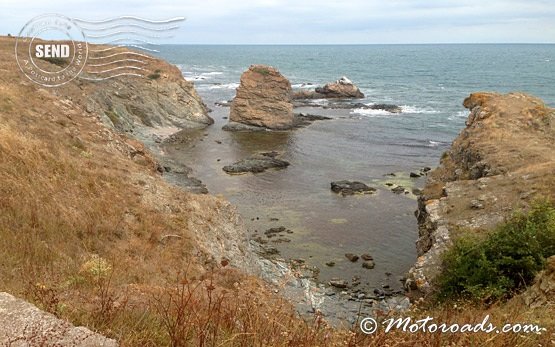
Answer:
(263, 99)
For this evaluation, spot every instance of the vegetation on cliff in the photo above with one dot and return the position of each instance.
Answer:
(92, 233)
(502, 263)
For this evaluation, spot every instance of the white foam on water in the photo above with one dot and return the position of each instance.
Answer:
(460, 114)
(404, 109)
(303, 86)
(225, 86)
(418, 110)
(371, 113)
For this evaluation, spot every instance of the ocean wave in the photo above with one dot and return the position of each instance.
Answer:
(432, 143)
(303, 86)
(371, 113)
(195, 76)
(404, 109)
(224, 86)
(458, 115)
(418, 110)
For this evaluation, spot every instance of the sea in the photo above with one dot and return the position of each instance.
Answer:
(428, 82)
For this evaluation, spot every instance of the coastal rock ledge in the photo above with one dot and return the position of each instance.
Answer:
(263, 100)
(501, 162)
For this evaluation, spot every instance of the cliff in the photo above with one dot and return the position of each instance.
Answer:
(499, 163)
(76, 188)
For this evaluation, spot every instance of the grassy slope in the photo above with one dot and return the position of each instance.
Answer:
(82, 210)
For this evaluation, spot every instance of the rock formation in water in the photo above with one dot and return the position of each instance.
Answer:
(263, 99)
(343, 88)
(500, 162)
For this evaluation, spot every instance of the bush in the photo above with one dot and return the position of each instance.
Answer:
(503, 262)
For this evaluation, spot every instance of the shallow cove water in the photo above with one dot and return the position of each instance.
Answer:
(428, 81)
(325, 225)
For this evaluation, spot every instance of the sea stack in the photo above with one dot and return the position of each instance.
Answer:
(263, 99)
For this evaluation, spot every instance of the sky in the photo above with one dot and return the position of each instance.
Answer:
(316, 21)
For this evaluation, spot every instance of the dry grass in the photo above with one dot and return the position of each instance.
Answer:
(82, 211)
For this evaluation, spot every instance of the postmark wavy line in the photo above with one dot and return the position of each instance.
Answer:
(122, 53)
(110, 77)
(118, 61)
(124, 46)
(117, 68)
(131, 18)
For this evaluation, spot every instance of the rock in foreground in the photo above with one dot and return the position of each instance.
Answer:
(263, 99)
(22, 324)
(542, 292)
(351, 188)
(255, 164)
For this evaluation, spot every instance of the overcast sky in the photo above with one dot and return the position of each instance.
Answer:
(317, 21)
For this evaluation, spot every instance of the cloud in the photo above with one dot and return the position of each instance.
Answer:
(320, 21)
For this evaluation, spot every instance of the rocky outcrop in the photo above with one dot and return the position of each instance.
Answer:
(263, 99)
(129, 104)
(22, 324)
(343, 88)
(542, 292)
(500, 162)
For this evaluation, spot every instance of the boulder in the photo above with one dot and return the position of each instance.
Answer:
(255, 164)
(343, 88)
(542, 292)
(263, 99)
(369, 264)
(23, 324)
(337, 283)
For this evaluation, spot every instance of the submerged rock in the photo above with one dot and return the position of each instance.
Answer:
(263, 99)
(369, 264)
(352, 257)
(367, 257)
(351, 187)
(255, 164)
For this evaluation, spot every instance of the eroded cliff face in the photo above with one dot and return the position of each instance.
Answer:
(160, 99)
(499, 163)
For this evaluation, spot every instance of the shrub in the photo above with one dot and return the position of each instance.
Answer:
(56, 61)
(503, 262)
(156, 75)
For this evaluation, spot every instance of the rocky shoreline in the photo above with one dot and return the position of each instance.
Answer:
(500, 163)
(301, 281)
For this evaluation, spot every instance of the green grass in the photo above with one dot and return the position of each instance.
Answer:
(262, 71)
(502, 263)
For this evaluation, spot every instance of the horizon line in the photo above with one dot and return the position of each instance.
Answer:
(359, 44)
